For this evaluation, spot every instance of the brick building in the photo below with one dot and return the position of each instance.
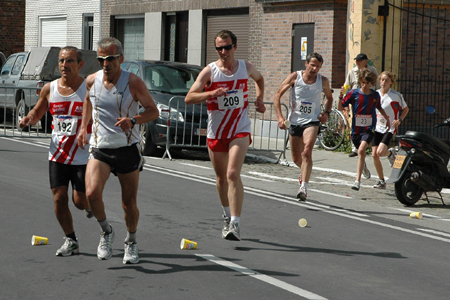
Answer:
(12, 26)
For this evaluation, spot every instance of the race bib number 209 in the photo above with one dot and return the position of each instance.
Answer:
(233, 99)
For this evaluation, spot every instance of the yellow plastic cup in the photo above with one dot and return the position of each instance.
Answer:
(287, 123)
(188, 244)
(302, 222)
(38, 240)
(416, 215)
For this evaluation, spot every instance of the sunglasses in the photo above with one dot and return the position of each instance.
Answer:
(227, 47)
(109, 58)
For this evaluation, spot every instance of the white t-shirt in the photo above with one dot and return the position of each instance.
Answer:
(392, 102)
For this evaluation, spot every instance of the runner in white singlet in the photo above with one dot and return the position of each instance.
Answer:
(112, 105)
(305, 114)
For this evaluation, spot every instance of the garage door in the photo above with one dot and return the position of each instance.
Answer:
(238, 24)
(53, 32)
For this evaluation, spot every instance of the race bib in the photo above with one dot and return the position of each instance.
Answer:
(363, 120)
(381, 120)
(233, 99)
(306, 108)
(65, 125)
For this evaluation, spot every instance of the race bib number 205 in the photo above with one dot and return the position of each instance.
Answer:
(65, 125)
(233, 99)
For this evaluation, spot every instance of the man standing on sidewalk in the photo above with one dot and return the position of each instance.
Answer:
(112, 104)
(305, 114)
(67, 162)
(226, 95)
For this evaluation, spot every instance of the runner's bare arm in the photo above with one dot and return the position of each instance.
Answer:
(197, 95)
(39, 109)
(87, 113)
(259, 86)
(328, 105)
(287, 83)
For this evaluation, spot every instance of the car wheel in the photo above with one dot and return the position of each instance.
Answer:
(148, 147)
(21, 111)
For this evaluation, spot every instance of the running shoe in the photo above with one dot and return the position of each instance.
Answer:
(353, 154)
(301, 195)
(356, 186)
(392, 156)
(366, 172)
(234, 232)
(226, 226)
(70, 247)
(104, 250)
(130, 253)
(381, 184)
(88, 213)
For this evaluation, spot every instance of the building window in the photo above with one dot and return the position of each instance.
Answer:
(130, 31)
(88, 32)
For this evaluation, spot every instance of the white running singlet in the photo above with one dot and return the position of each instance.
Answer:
(392, 102)
(107, 106)
(305, 100)
(66, 112)
(228, 116)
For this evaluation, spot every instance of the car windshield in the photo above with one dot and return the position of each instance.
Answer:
(170, 79)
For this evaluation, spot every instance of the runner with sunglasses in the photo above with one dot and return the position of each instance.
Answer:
(112, 104)
(226, 95)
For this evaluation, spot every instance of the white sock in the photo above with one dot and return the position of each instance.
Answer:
(235, 219)
(226, 211)
(305, 185)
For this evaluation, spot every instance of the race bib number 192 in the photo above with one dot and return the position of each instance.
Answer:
(65, 125)
(233, 99)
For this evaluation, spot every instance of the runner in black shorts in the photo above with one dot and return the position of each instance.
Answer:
(61, 175)
(122, 160)
(297, 130)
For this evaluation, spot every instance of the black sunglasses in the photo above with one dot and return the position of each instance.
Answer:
(227, 47)
(109, 58)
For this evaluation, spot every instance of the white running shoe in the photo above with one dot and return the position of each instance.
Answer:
(381, 184)
(392, 156)
(356, 186)
(226, 226)
(70, 247)
(130, 253)
(302, 193)
(104, 250)
(366, 172)
(234, 232)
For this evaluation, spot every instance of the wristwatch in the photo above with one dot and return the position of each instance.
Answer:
(400, 119)
(327, 112)
(133, 121)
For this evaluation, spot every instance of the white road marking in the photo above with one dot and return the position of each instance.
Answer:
(196, 166)
(435, 232)
(270, 280)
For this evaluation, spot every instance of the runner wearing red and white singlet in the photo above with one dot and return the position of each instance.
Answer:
(67, 161)
(226, 93)
(228, 115)
(66, 112)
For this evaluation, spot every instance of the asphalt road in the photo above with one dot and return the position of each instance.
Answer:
(357, 245)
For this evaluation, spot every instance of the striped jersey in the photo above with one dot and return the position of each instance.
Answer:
(66, 112)
(228, 115)
(364, 109)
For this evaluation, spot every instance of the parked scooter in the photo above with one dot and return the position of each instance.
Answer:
(420, 166)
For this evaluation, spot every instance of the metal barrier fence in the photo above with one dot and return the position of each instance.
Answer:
(187, 128)
(15, 103)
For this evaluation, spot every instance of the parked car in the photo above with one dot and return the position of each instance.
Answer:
(168, 83)
(24, 73)
(2, 59)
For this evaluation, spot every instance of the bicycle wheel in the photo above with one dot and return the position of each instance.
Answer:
(332, 132)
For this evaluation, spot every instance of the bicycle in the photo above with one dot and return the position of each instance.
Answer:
(332, 132)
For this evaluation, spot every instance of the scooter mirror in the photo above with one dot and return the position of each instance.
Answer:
(430, 109)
